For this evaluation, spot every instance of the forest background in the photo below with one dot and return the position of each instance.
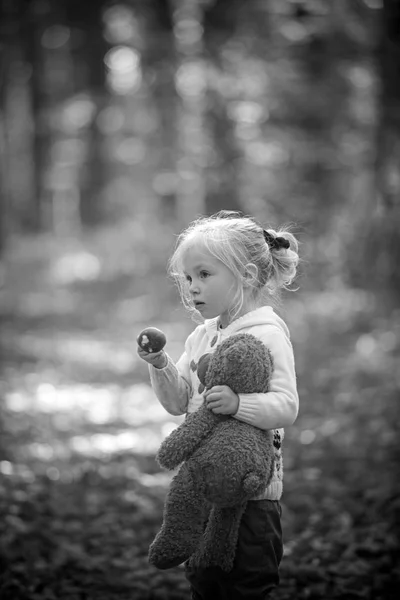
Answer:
(119, 122)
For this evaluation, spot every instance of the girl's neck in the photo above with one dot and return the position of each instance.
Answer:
(246, 308)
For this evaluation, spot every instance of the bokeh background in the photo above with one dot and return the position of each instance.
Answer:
(120, 121)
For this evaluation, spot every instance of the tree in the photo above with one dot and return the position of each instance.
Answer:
(222, 21)
(3, 142)
(85, 21)
(379, 230)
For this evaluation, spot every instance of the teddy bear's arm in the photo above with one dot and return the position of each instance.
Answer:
(184, 440)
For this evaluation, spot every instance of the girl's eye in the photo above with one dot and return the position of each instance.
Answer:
(188, 278)
(204, 274)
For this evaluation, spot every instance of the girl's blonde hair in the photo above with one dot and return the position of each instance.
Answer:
(238, 241)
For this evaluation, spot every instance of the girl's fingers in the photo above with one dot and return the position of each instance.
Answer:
(215, 398)
(216, 388)
(214, 403)
(145, 353)
(150, 355)
(213, 406)
(212, 398)
(156, 359)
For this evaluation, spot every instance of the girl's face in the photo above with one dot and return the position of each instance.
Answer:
(211, 284)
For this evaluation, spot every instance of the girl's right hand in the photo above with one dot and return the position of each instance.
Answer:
(159, 360)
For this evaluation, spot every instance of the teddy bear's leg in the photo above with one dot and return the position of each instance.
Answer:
(183, 441)
(218, 545)
(185, 513)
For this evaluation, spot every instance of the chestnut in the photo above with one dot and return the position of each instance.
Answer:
(151, 339)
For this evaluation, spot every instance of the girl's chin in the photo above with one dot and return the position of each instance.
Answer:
(202, 310)
(205, 311)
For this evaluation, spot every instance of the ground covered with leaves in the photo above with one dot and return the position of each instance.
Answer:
(81, 495)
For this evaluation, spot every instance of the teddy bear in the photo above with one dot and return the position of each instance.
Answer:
(223, 463)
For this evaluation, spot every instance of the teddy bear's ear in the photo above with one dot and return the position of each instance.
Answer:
(236, 351)
(202, 367)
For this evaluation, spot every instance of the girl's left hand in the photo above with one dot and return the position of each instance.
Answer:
(222, 400)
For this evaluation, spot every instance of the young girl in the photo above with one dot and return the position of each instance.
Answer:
(228, 269)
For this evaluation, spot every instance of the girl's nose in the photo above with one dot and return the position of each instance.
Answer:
(194, 288)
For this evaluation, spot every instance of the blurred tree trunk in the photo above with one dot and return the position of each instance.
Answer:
(89, 48)
(3, 184)
(196, 138)
(222, 175)
(159, 64)
(20, 164)
(191, 86)
(388, 151)
(222, 21)
(43, 39)
(381, 247)
(331, 56)
(337, 113)
(34, 19)
(4, 199)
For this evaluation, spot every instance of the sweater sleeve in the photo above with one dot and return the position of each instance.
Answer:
(172, 384)
(277, 408)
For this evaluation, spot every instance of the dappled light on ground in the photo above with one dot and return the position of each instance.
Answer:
(134, 405)
(143, 440)
(134, 419)
(81, 426)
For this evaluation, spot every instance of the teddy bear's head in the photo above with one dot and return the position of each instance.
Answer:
(242, 361)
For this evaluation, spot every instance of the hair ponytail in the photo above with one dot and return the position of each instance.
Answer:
(284, 258)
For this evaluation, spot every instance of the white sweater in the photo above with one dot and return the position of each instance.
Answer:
(176, 386)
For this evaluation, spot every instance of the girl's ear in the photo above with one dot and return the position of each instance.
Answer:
(250, 274)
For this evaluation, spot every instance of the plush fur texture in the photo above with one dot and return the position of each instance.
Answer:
(225, 463)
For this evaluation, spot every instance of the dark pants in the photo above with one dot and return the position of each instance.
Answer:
(258, 554)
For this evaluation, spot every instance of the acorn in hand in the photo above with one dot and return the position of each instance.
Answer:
(151, 339)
